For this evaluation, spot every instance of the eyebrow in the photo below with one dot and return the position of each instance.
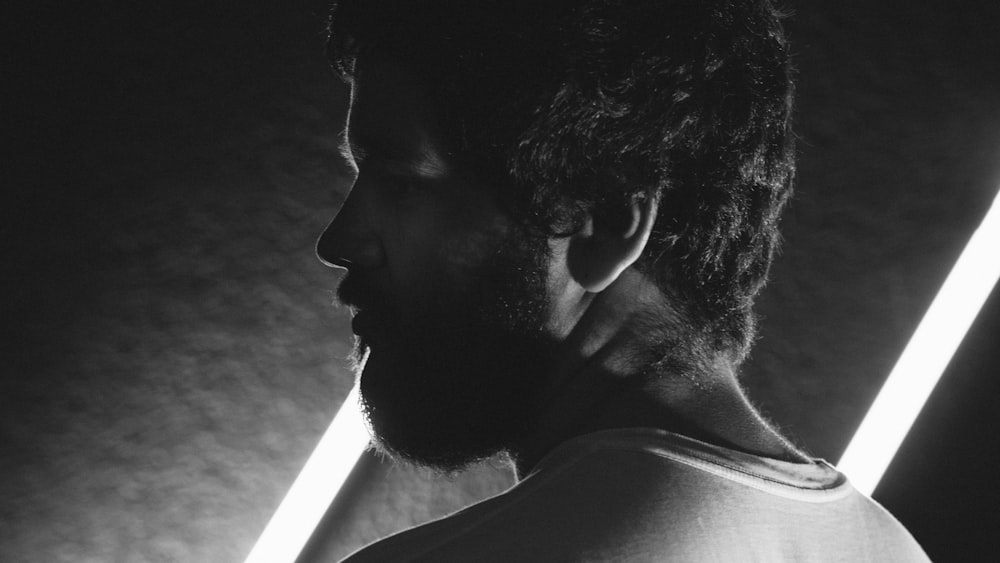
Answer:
(424, 162)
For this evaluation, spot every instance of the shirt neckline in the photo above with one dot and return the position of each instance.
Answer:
(811, 481)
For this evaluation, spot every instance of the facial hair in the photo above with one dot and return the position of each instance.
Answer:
(452, 377)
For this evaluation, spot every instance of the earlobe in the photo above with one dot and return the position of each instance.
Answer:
(599, 253)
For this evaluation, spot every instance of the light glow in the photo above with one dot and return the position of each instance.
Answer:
(315, 488)
(926, 356)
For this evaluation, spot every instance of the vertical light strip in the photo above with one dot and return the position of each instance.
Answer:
(315, 488)
(925, 357)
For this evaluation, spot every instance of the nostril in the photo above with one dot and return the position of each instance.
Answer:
(328, 255)
(351, 240)
(335, 262)
(339, 248)
(324, 251)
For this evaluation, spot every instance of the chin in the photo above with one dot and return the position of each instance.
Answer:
(451, 380)
(447, 408)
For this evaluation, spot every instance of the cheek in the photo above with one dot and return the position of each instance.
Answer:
(430, 267)
(462, 254)
(470, 246)
(412, 243)
(563, 293)
(443, 245)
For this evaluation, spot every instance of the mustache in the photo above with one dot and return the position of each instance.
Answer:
(358, 293)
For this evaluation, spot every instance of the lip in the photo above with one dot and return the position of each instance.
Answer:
(361, 324)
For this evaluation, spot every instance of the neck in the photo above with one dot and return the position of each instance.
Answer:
(613, 371)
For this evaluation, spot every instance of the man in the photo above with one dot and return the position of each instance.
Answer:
(562, 214)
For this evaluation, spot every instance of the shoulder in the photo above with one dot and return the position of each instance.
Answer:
(645, 495)
(584, 503)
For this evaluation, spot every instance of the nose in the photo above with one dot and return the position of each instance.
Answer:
(350, 240)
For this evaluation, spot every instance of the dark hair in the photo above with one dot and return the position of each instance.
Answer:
(592, 105)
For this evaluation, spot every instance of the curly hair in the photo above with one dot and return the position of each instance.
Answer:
(587, 106)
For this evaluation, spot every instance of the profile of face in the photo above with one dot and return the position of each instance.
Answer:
(448, 293)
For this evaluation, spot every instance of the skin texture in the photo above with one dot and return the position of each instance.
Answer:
(578, 361)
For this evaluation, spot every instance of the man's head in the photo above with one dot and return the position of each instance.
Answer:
(562, 111)
(572, 106)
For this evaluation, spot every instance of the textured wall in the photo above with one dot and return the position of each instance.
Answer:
(170, 354)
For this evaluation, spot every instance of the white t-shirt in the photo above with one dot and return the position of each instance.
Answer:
(643, 494)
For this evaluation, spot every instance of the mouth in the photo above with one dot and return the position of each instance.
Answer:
(361, 324)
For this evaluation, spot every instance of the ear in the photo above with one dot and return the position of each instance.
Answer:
(603, 249)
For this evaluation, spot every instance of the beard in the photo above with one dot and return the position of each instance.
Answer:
(452, 377)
